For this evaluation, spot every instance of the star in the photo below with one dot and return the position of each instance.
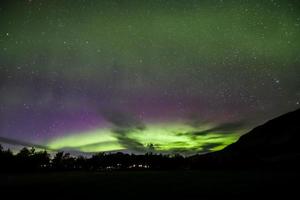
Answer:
(277, 81)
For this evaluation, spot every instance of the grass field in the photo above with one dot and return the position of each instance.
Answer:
(155, 184)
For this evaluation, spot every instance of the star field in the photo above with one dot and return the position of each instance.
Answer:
(185, 77)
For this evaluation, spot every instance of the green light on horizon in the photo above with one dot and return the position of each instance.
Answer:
(165, 137)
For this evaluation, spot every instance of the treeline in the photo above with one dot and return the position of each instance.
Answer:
(32, 160)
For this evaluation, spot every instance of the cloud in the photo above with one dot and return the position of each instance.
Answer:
(23, 143)
(130, 143)
(195, 120)
(221, 128)
(123, 119)
(125, 123)
(183, 151)
(208, 147)
(205, 148)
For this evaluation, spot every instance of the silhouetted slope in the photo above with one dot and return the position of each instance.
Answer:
(273, 143)
(278, 136)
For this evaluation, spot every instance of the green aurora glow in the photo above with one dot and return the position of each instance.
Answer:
(119, 75)
(164, 137)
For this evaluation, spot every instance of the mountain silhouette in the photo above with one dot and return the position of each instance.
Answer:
(274, 143)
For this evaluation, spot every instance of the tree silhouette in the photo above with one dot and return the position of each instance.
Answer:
(40, 160)
(7, 162)
(32, 160)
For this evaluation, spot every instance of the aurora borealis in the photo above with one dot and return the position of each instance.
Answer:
(168, 76)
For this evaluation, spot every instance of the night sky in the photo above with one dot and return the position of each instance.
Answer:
(169, 76)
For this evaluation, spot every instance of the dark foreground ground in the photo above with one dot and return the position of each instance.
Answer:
(154, 184)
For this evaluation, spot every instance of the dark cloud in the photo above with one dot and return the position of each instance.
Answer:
(208, 147)
(94, 144)
(205, 148)
(130, 143)
(184, 149)
(125, 123)
(23, 143)
(224, 128)
(123, 120)
(195, 120)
